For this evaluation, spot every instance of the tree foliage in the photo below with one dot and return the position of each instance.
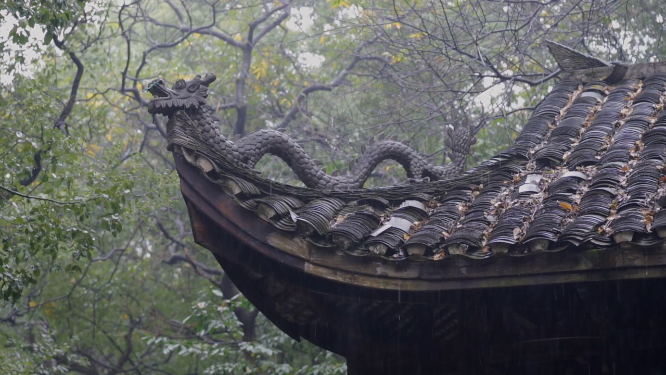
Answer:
(51, 17)
(99, 271)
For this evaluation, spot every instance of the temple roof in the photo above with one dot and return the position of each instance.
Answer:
(587, 171)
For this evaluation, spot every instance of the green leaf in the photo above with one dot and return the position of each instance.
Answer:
(48, 37)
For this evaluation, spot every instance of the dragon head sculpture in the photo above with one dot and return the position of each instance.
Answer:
(183, 95)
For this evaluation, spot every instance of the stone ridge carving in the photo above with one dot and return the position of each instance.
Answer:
(186, 101)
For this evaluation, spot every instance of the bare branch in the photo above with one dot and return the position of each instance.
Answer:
(271, 26)
(60, 122)
(12, 192)
(337, 81)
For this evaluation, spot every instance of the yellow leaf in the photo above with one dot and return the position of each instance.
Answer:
(339, 3)
(566, 206)
(397, 58)
(92, 149)
(285, 101)
(49, 309)
(418, 35)
(260, 69)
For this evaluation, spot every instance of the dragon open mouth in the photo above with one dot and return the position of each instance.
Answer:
(183, 95)
(158, 89)
(161, 96)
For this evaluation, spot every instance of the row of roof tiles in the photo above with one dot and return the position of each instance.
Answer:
(587, 170)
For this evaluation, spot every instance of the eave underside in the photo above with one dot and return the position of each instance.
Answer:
(497, 330)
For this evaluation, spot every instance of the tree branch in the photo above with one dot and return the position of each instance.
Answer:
(10, 191)
(36, 170)
(271, 26)
(337, 81)
(60, 122)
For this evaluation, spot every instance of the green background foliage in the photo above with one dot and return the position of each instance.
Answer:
(100, 274)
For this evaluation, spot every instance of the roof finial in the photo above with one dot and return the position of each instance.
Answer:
(569, 59)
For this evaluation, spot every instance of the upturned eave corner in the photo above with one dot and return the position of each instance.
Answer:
(577, 66)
